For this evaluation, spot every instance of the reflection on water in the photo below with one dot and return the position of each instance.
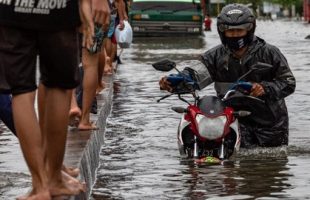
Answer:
(238, 180)
(177, 48)
(162, 43)
(140, 159)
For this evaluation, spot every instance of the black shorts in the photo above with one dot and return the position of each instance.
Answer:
(58, 59)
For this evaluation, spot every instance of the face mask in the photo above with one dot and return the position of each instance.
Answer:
(236, 43)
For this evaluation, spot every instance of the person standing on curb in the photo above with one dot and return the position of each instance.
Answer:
(90, 64)
(28, 29)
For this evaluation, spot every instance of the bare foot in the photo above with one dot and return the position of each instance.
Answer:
(108, 68)
(69, 186)
(44, 195)
(87, 127)
(75, 182)
(74, 116)
(74, 172)
(100, 87)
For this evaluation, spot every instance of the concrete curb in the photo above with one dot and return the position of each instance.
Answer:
(82, 151)
(83, 147)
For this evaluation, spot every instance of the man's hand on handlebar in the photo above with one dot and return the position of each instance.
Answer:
(164, 84)
(257, 90)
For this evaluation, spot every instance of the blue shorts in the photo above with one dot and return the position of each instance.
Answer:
(6, 114)
(112, 26)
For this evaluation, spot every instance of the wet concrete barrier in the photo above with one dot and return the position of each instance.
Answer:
(82, 151)
(83, 147)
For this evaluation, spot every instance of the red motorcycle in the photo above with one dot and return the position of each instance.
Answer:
(209, 127)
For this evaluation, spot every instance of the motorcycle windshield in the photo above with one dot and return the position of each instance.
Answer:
(212, 124)
(211, 106)
(260, 111)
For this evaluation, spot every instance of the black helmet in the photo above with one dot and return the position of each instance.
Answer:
(236, 16)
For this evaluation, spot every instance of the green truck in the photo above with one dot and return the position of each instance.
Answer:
(166, 17)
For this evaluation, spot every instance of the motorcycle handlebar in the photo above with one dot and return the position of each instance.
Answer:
(241, 113)
(179, 109)
(164, 97)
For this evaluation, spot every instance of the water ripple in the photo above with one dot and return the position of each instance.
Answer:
(140, 158)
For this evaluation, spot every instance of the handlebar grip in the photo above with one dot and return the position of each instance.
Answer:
(175, 79)
(242, 86)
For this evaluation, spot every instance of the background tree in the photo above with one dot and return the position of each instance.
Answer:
(258, 3)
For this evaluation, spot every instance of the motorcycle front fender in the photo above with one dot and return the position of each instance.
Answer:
(182, 125)
(235, 127)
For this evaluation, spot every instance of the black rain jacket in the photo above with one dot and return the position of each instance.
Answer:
(278, 83)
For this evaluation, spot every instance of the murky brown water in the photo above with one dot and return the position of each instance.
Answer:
(140, 159)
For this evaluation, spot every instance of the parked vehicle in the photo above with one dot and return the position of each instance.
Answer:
(166, 17)
(209, 128)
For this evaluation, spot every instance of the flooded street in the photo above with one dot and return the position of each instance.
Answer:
(140, 157)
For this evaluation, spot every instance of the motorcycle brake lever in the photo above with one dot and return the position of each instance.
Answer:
(179, 109)
(164, 97)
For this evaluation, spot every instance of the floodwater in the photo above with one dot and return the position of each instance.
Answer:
(140, 158)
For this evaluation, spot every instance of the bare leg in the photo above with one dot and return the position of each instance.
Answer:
(30, 138)
(108, 47)
(74, 172)
(101, 64)
(75, 112)
(90, 83)
(108, 61)
(41, 104)
(55, 130)
(108, 68)
(113, 52)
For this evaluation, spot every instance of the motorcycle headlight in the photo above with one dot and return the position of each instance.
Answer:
(211, 128)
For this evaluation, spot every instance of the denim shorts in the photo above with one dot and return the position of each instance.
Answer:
(112, 26)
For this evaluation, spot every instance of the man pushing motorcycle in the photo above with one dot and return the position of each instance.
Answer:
(239, 50)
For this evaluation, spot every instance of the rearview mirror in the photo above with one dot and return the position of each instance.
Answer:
(164, 65)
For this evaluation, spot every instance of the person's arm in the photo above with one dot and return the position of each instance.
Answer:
(101, 12)
(199, 72)
(284, 82)
(121, 13)
(87, 23)
(93, 12)
(208, 60)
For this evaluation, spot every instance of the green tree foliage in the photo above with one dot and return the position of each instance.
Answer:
(259, 2)
(256, 3)
(285, 3)
(288, 3)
